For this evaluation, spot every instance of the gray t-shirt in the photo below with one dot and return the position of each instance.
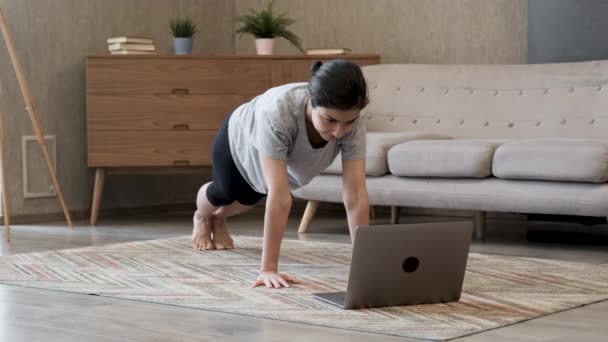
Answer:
(274, 124)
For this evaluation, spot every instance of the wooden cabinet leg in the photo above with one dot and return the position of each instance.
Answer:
(309, 213)
(395, 213)
(100, 175)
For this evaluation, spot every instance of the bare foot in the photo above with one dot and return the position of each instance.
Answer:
(201, 234)
(221, 237)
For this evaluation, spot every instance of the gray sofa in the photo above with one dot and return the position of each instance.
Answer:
(502, 138)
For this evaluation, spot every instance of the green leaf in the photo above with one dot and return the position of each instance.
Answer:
(182, 27)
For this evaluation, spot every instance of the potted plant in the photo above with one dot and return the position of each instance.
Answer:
(183, 29)
(265, 26)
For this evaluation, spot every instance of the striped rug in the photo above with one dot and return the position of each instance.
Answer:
(498, 290)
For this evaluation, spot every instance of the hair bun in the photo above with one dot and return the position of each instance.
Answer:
(315, 67)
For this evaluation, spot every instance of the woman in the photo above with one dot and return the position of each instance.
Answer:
(278, 142)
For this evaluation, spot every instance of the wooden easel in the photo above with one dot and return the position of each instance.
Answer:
(35, 123)
(7, 223)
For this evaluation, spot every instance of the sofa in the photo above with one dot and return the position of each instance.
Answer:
(529, 138)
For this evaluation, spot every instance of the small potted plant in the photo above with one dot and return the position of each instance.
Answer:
(183, 30)
(265, 26)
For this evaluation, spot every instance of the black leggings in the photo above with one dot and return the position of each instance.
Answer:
(228, 184)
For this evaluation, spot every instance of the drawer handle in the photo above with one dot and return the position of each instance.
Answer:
(179, 91)
(181, 127)
(181, 163)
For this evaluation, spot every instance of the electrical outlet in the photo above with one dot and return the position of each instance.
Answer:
(37, 181)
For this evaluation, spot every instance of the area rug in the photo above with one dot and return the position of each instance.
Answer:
(498, 290)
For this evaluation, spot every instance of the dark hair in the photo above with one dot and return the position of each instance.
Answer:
(337, 84)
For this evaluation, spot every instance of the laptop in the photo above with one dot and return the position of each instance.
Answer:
(405, 264)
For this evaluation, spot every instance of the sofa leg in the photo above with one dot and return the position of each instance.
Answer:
(372, 212)
(395, 213)
(309, 213)
(480, 225)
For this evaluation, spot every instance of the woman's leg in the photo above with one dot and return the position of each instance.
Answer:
(221, 198)
(203, 221)
(221, 236)
(210, 229)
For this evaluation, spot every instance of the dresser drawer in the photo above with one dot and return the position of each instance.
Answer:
(149, 148)
(176, 76)
(160, 112)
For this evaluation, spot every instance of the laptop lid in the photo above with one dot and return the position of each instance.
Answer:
(408, 264)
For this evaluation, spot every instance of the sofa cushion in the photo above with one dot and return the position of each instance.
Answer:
(378, 144)
(442, 158)
(485, 194)
(575, 160)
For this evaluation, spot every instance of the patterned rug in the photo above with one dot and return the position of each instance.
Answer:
(498, 290)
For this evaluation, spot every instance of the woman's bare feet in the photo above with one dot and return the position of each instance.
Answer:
(221, 237)
(201, 233)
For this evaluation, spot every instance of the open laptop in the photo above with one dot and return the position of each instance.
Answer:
(405, 264)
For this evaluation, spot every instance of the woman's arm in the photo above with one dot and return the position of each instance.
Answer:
(355, 197)
(278, 205)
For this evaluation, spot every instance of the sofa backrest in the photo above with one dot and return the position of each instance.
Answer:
(568, 100)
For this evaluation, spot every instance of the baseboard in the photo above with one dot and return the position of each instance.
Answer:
(163, 209)
(104, 213)
(298, 206)
(462, 213)
(41, 218)
(585, 220)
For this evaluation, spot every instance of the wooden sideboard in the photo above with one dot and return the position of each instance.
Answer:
(160, 113)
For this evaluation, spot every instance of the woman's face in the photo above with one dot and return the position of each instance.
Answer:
(333, 124)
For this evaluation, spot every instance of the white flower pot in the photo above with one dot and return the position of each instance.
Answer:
(264, 46)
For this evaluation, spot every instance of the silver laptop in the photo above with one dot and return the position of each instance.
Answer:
(405, 264)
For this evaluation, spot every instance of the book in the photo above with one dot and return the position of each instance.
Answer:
(132, 52)
(126, 46)
(329, 51)
(130, 39)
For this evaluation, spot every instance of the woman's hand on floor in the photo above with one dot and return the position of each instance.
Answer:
(273, 279)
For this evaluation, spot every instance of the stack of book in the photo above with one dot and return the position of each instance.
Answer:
(131, 45)
(328, 51)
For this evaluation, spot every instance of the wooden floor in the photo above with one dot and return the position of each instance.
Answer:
(41, 315)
